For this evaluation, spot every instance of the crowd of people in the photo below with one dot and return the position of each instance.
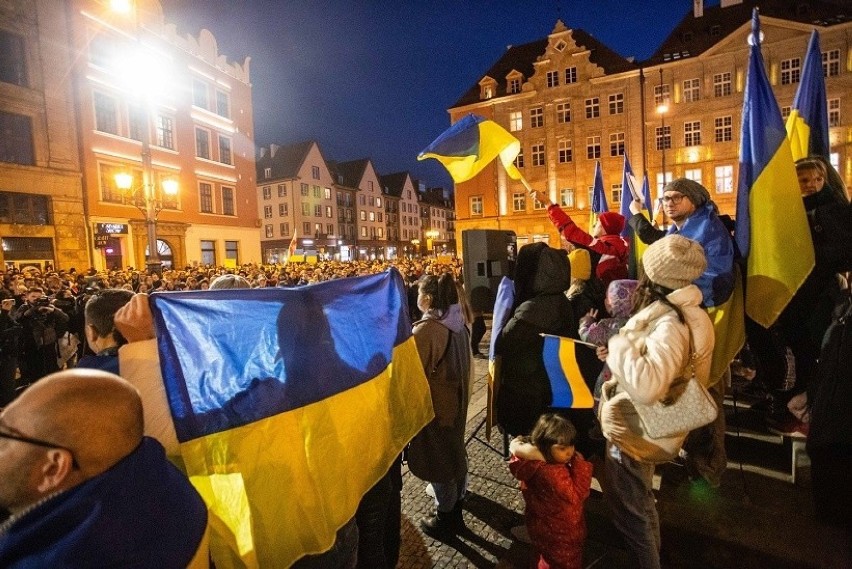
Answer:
(651, 335)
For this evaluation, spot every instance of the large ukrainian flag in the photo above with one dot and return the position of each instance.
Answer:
(470, 145)
(771, 228)
(289, 405)
(807, 125)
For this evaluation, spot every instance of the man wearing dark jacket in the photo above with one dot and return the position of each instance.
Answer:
(42, 325)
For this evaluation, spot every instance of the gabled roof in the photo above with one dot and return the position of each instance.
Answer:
(286, 161)
(394, 183)
(693, 36)
(352, 171)
(522, 58)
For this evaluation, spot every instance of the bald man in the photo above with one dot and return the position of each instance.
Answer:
(84, 486)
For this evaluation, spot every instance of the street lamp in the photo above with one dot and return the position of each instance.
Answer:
(150, 201)
(416, 244)
(662, 109)
(431, 235)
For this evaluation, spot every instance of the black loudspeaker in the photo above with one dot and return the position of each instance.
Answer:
(488, 255)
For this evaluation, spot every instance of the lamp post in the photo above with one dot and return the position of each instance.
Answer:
(416, 245)
(431, 235)
(149, 200)
(662, 109)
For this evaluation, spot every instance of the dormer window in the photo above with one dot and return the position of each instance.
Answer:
(560, 45)
(487, 88)
(514, 85)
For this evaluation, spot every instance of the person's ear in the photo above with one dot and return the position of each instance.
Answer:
(55, 470)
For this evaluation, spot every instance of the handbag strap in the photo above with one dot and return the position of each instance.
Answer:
(677, 387)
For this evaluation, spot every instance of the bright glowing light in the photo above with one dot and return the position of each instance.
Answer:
(170, 186)
(662, 109)
(124, 180)
(123, 6)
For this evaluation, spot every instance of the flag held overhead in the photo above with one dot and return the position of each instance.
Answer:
(807, 125)
(470, 145)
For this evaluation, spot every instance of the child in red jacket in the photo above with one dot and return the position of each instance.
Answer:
(555, 481)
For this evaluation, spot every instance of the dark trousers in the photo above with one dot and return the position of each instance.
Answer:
(8, 365)
(379, 521)
(477, 332)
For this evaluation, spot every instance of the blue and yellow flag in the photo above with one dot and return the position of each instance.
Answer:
(771, 228)
(470, 145)
(289, 405)
(629, 192)
(569, 387)
(807, 125)
(598, 197)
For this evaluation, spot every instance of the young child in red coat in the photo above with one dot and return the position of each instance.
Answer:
(555, 481)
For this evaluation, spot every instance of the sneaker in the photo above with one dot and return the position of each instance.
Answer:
(521, 534)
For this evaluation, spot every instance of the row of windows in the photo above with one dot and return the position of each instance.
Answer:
(208, 252)
(563, 112)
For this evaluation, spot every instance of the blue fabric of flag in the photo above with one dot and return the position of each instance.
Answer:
(807, 125)
(599, 204)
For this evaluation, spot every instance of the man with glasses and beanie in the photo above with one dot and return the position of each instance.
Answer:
(694, 215)
(85, 488)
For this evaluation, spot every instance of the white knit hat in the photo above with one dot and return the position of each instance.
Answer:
(674, 261)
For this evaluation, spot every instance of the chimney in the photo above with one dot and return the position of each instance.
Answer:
(273, 148)
(698, 8)
(262, 151)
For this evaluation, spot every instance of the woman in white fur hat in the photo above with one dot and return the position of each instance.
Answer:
(653, 349)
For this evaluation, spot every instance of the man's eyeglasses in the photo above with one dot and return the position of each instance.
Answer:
(672, 199)
(39, 442)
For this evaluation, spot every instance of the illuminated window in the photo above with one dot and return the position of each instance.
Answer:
(834, 112)
(566, 197)
(476, 205)
(691, 90)
(724, 179)
(519, 201)
(516, 121)
(791, 71)
(662, 95)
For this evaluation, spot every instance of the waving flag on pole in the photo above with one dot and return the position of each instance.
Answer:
(807, 125)
(470, 145)
(771, 228)
(291, 250)
(630, 191)
(598, 197)
(570, 389)
(288, 419)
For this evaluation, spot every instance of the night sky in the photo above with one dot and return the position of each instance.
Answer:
(373, 79)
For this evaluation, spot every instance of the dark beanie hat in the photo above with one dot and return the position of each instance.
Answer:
(611, 222)
(696, 193)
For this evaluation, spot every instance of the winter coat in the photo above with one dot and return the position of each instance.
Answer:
(612, 249)
(554, 495)
(437, 452)
(524, 391)
(645, 357)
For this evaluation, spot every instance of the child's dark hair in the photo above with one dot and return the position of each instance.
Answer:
(552, 429)
(649, 292)
(442, 290)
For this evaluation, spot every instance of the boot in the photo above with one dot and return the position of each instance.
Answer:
(444, 525)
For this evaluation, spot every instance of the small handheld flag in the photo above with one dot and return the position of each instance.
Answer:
(470, 145)
(569, 388)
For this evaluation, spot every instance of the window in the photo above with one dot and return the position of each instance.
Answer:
(570, 75)
(563, 113)
(223, 104)
(327, 193)
(378, 202)
(165, 132)
(306, 228)
(692, 133)
(565, 151)
(232, 251)
(370, 185)
(317, 192)
(615, 193)
(593, 108)
(227, 200)
(616, 144)
(328, 212)
(791, 71)
(205, 197)
(329, 229)
(516, 121)
(722, 84)
(724, 179)
(785, 112)
(552, 78)
(363, 231)
(306, 209)
(662, 95)
(519, 160)
(267, 192)
(566, 197)
(283, 229)
(476, 205)
(363, 214)
(536, 117)
(663, 137)
(304, 190)
(593, 147)
(199, 94)
(202, 143)
(317, 211)
(834, 112)
(519, 201)
(693, 174)
(282, 209)
(372, 216)
(269, 230)
(691, 90)
(723, 129)
(208, 252)
(315, 172)
(514, 85)
(537, 151)
(830, 63)
(225, 150)
(13, 67)
(105, 114)
(616, 104)
(379, 217)
(267, 212)
(135, 122)
(267, 172)
(282, 191)
(24, 209)
(16, 142)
